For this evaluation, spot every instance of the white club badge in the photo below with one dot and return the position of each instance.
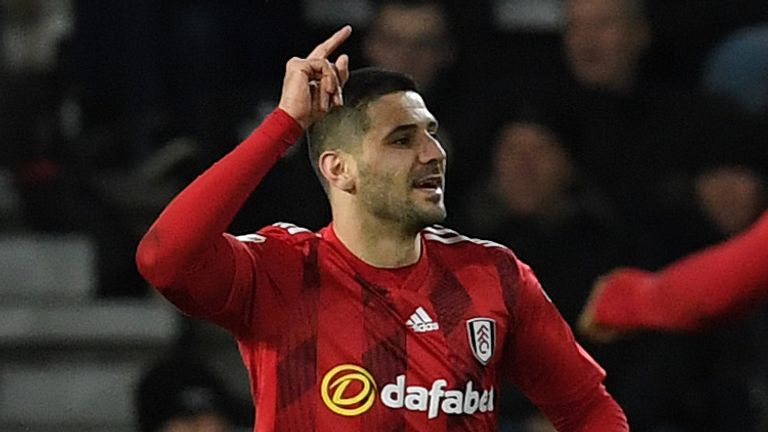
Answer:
(482, 338)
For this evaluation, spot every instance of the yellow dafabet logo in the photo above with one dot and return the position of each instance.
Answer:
(348, 390)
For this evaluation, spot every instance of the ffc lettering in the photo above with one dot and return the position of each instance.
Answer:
(350, 390)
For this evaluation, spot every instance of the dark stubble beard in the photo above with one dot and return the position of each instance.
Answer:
(379, 194)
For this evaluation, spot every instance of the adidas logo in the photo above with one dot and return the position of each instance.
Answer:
(420, 322)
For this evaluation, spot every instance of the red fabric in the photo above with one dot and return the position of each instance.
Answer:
(711, 285)
(547, 362)
(319, 307)
(599, 413)
(308, 315)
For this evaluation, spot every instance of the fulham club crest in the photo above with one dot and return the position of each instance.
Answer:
(482, 338)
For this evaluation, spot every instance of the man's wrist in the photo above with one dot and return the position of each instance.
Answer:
(284, 126)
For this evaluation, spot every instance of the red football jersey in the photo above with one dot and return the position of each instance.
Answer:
(332, 343)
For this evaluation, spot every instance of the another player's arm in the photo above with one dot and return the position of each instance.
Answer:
(185, 254)
(550, 367)
(710, 285)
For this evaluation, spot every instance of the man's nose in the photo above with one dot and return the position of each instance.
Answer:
(431, 150)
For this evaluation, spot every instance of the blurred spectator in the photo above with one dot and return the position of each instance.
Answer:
(537, 202)
(690, 28)
(663, 156)
(731, 197)
(178, 68)
(737, 68)
(643, 139)
(40, 129)
(413, 38)
(32, 77)
(177, 396)
(666, 158)
(540, 204)
(159, 90)
(605, 41)
(54, 169)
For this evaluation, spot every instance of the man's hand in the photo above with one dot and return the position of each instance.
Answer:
(312, 85)
(586, 324)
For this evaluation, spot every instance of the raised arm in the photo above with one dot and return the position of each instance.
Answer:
(185, 254)
(707, 286)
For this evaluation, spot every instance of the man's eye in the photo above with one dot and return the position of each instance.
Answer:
(404, 141)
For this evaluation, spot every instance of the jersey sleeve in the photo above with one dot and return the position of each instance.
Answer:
(186, 254)
(547, 363)
(710, 285)
(267, 275)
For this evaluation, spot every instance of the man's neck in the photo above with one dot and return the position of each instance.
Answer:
(378, 243)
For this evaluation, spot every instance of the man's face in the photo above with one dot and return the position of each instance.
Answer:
(531, 166)
(412, 40)
(604, 41)
(401, 166)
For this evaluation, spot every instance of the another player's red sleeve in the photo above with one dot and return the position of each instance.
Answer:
(185, 254)
(551, 368)
(712, 284)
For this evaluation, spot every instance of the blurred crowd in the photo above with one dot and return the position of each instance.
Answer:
(583, 134)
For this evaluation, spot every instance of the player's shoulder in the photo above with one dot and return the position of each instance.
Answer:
(283, 232)
(449, 241)
(461, 250)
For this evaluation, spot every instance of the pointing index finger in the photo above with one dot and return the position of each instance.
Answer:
(330, 45)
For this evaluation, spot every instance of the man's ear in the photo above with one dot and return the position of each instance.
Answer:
(339, 169)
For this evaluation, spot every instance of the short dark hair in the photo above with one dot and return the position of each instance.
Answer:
(365, 85)
(370, 83)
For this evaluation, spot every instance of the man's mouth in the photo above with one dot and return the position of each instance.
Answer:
(432, 184)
